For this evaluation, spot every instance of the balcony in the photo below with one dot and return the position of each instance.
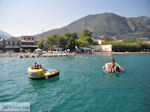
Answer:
(12, 46)
(28, 46)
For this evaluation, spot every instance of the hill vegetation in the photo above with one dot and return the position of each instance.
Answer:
(68, 41)
(131, 46)
(108, 24)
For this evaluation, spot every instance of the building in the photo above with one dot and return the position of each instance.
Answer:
(148, 42)
(84, 50)
(96, 48)
(100, 42)
(121, 41)
(12, 44)
(28, 43)
(107, 48)
(2, 44)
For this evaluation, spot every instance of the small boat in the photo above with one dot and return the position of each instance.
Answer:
(117, 68)
(40, 74)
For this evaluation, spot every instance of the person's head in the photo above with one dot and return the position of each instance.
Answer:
(35, 63)
(40, 66)
(113, 60)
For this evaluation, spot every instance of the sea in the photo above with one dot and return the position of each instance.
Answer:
(82, 84)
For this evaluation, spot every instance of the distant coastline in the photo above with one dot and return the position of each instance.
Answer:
(68, 54)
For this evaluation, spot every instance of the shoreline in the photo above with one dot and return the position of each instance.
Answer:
(68, 54)
(121, 53)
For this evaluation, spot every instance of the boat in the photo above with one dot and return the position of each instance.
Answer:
(117, 68)
(41, 74)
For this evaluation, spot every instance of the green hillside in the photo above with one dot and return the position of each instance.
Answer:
(110, 25)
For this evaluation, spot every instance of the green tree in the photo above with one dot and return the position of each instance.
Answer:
(85, 33)
(70, 40)
(85, 38)
(50, 41)
(61, 42)
(40, 44)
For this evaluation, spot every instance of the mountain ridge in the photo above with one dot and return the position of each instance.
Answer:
(5, 35)
(108, 24)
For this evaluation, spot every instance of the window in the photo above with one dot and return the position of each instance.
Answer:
(11, 43)
(16, 43)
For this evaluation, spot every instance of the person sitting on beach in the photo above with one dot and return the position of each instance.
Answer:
(112, 63)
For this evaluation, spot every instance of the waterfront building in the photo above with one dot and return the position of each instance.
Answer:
(107, 48)
(100, 41)
(2, 44)
(28, 43)
(84, 50)
(12, 44)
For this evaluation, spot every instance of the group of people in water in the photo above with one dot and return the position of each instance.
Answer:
(36, 66)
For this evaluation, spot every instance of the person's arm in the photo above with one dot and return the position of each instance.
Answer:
(111, 65)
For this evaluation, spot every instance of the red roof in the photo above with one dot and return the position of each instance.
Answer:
(13, 39)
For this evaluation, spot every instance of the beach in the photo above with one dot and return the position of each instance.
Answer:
(8, 54)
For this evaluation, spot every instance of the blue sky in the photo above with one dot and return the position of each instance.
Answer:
(29, 17)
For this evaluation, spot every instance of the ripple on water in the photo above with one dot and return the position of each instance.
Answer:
(81, 86)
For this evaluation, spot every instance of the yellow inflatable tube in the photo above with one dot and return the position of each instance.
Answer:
(38, 74)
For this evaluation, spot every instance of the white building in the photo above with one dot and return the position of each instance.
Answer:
(107, 48)
(100, 42)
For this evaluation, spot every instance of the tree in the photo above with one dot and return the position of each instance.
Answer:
(85, 38)
(40, 44)
(50, 41)
(85, 33)
(61, 42)
(70, 40)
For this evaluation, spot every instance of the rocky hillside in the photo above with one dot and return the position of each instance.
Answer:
(5, 35)
(108, 24)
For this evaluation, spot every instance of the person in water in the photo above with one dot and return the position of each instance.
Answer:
(40, 67)
(112, 63)
(35, 66)
(114, 66)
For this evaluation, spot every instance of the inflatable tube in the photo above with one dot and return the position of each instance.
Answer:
(39, 74)
(117, 68)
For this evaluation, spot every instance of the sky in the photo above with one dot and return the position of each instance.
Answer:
(29, 17)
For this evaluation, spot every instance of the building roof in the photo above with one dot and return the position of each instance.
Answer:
(13, 39)
(85, 48)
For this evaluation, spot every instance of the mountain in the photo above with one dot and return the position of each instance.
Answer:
(108, 24)
(5, 35)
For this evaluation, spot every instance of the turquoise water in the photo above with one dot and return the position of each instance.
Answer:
(82, 86)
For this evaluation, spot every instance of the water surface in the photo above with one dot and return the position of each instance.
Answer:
(82, 86)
